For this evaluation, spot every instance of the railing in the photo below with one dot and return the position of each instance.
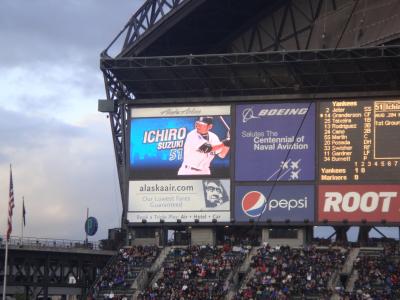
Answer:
(93, 290)
(38, 243)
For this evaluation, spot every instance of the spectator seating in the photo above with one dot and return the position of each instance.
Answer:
(195, 272)
(205, 272)
(121, 273)
(378, 275)
(288, 273)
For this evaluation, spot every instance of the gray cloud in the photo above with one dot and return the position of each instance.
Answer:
(60, 147)
(52, 52)
(48, 30)
(51, 88)
(61, 170)
(21, 131)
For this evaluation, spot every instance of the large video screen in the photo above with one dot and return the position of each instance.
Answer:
(175, 142)
(359, 140)
(269, 161)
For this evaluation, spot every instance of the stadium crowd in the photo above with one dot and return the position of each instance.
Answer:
(283, 273)
(196, 272)
(126, 266)
(378, 277)
(279, 273)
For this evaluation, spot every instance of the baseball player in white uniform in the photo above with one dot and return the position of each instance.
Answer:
(201, 146)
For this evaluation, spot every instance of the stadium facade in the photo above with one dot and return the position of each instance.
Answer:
(305, 92)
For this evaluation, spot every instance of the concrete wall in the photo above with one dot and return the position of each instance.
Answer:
(145, 241)
(136, 241)
(202, 236)
(299, 241)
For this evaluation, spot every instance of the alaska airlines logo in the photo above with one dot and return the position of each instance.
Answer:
(189, 111)
(248, 113)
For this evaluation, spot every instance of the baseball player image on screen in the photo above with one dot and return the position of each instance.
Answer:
(200, 148)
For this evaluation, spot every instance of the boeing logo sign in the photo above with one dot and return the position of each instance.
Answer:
(275, 141)
(249, 114)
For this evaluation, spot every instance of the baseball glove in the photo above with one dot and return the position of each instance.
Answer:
(226, 142)
(205, 148)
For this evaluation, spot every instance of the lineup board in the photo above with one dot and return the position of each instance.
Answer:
(359, 140)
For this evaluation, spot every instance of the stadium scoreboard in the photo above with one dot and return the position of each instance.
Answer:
(301, 161)
(359, 140)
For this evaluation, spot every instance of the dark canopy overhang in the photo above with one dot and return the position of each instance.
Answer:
(340, 70)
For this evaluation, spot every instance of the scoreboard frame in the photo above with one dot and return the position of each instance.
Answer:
(316, 182)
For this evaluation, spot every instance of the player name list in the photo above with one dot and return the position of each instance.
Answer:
(360, 140)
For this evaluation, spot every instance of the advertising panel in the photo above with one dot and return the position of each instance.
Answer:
(186, 200)
(359, 140)
(172, 142)
(275, 142)
(354, 203)
(285, 202)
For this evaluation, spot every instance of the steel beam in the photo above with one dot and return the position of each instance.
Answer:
(146, 17)
(39, 270)
(116, 91)
(282, 27)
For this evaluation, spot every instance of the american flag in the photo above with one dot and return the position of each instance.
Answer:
(10, 206)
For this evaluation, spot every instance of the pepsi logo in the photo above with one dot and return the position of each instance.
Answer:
(254, 204)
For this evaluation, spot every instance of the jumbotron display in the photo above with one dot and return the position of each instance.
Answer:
(172, 142)
(360, 140)
(180, 164)
(274, 162)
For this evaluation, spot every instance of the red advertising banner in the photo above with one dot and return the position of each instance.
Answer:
(355, 203)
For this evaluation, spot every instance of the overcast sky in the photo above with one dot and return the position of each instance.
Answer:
(60, 147)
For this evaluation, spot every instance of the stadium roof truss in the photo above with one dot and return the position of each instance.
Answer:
(208, 49)
(305, 72)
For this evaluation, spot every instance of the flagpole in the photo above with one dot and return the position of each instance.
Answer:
(7, 236)
(9, 230)
(5, 271)
(87, 216)
(22, 221)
